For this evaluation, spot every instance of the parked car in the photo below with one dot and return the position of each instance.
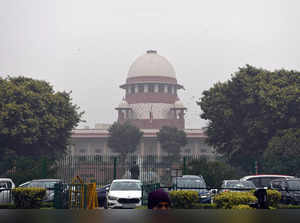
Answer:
(101, 194)
(48, 184)
(237, 185)
(289, 189)
(264, 180)
(125, 193)
(6, 185)
(194, 183)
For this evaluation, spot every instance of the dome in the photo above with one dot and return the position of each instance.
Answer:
(151, 64)
(124, 104)
(179, 104)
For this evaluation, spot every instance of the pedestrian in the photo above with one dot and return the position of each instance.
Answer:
(159, 200)
(135, 171)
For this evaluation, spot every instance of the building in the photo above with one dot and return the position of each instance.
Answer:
(150, 102)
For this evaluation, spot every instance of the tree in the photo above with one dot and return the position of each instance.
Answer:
(283, 153)
(245, 112)
(171, 139)
(213, 171)
(35, 121)
(124, 138)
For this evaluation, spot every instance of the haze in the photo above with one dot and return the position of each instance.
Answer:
(87, 46)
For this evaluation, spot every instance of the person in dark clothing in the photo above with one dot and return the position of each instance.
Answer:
(135, 171)
(159, 200)
(262, 198)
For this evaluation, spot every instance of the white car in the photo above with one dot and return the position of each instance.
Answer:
(6, 185)
(124, 194)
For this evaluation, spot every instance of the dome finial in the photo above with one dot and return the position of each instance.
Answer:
(151, 51)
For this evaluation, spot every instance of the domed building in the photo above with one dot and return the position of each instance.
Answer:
(150, 102)
(151, 99)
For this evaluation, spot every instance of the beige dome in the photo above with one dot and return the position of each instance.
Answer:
(151, 64)
(179, 104)
(124, 104)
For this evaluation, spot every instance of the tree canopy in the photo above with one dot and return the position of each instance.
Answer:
(34, 119)
(124, 138)
(213, 171)
(283, 153)
(171, 139)
(247, 111)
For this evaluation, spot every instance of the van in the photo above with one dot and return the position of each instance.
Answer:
(264, 180)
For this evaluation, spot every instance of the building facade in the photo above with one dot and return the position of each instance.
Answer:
(150, 102)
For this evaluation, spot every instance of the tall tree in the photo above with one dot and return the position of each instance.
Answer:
(283, 153)
(213, 171)
(245, 112)
(171, 139)
(124, 138)
(34, 120)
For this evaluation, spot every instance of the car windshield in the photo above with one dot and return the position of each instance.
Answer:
(117, 186)
(294, 184)
(240, 184)
(190, 183)
(43, 184)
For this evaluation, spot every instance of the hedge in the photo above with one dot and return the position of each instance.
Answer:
(274, 198)
(27, 198)
(227, 200)
(184, 199)
(241, 207)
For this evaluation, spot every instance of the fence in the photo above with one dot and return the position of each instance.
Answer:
(102, 169)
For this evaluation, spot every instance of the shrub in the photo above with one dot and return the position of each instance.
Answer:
(241, 207)
(227, 200)
(274, 197)
(204, 206)
(26, 198)
(184, 199)
(288, 206)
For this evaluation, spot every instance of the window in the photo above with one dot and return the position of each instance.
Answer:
(82, 150)
(98, 151)
(151, 88)
(161, 88)
(170, 89)
(132, 89)
(140, 88)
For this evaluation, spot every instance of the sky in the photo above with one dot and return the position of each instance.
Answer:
(87, 46)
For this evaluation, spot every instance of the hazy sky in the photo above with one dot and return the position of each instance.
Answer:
(87, 46)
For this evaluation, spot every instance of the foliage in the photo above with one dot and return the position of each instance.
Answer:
(34, 120)
(227, 200)
(171, 139)
(204, 206)
(274, 198)
(288, 206)
(283, 153)
(183, 199)
(241, 207)
(213, 171)
(124, 138)
(28, 198)
(28, 167)
(248, 110)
